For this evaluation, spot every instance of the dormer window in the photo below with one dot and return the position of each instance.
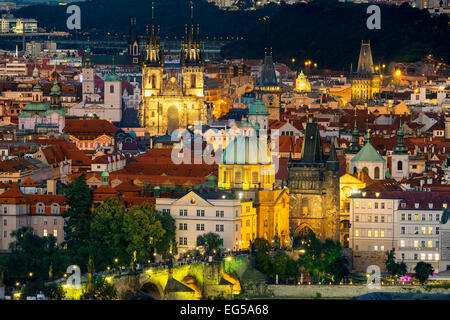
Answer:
(416, 205)
(403, 205)
(430, 205)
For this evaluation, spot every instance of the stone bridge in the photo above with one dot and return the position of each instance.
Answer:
(195, 281)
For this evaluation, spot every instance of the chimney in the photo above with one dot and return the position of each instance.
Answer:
(51, 187)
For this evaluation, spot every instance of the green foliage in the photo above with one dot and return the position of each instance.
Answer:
(210, 241)
(395, 268)
(78, 220)
(260, 244)
(51, 291)
(167, 244)
(100, 290)
(284, 266)
(325, 258)
(143, 231)
(263, 263)
(422, 271)
(32, 258)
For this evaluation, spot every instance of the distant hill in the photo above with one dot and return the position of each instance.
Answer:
(325, 31)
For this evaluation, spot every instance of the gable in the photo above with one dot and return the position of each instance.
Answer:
(192, 199)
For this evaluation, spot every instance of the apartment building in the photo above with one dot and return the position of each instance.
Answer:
(408, 222)
(41, 212)
(417, 227)
(198, 213)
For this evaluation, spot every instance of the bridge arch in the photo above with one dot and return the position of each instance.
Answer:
(153, 290)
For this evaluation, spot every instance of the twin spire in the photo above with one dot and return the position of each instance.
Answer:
(190, 51)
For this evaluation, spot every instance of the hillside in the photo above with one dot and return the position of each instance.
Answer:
(325, 31)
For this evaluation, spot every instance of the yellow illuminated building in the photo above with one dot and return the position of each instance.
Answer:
(367, 81)
(348, 185)
(172, 100)
(302, 84)
(247, 169)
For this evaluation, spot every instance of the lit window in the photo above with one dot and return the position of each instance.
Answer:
(369, 233)
(382, 233)
(369, 205)
(416, 243)
(402, 243)
(416, 217)
(55, 233)
(376, 233)
(430, 256)
(357, 204)
(423, 230)
(382, 248)
(356, 233)
(369, 219)
(430, 244)
(45, 233)
(422, 256)
(430, 230)
(403, 217)
(375, 248)
(357, 218)
(436, 256)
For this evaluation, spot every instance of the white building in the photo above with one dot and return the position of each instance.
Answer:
(195, 216)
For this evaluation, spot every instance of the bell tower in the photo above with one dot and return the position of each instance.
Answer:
(191, 60)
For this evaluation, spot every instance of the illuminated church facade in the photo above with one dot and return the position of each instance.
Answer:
(172, 99)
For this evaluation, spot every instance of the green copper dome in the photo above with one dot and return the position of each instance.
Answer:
(36, 107)
(258, 108)
(368, 154)
(56, 90)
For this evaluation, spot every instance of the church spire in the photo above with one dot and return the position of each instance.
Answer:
(333, 161)
(154, 56)
(400, 148)
(191, 53)
(365, 62)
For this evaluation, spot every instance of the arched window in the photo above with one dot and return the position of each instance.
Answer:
(400, 165)
(111, 89)
(377, 173)
(55, 208)
(193, 81)
(40, 208)
(153, 81)
(355, 170)
(366, 170)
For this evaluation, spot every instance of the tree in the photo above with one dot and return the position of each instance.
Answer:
(167, 244)
(338, 269)
(108, 238)
(100, 290)
(422, 271)
(263, 263)
(260, 244)
(32, 258)
(284, 266)
(143, 231)
(78, 219)
(210, 241)
(395, 268)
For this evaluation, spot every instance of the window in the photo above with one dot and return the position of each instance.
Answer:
(416, 217)
(40, 208)
(403, 256)
(422, 256)
(382, 219)
(382, 205)
(376, 205)
(376, 233)
(181, 212)
(402, 243)
(369, 219)
(5, 234)
(430, 230)
(422, 243)
(369, 205)
(55, 208)
(356, 233)
(200, 213)
(430, 256)
(382, 233)
(369, 233)
(238, 177)
(400, 166)
(436, 256)
(376, 218)
(55, 222)
(423, 217)
(437, 230)
(255, 178)
(166, 211)
(357, 218)
(416, 243)
(382, 248)
(416, 230)
(219, 213)
(111, 89)
(5, 222)
(35, 220)
(430, 244)
(437, 243)
(45, 233)
(423, 230)
(377, 173)
(5, 210)
(430, 217)
(403, 217)
(219, 227)
(55, 233)
(237, 227)
(402, 230)
(409, 216)
(437, 217)
(200, 227)
(357, 204)
(375, 248)
(416, 256)
(45, 221)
